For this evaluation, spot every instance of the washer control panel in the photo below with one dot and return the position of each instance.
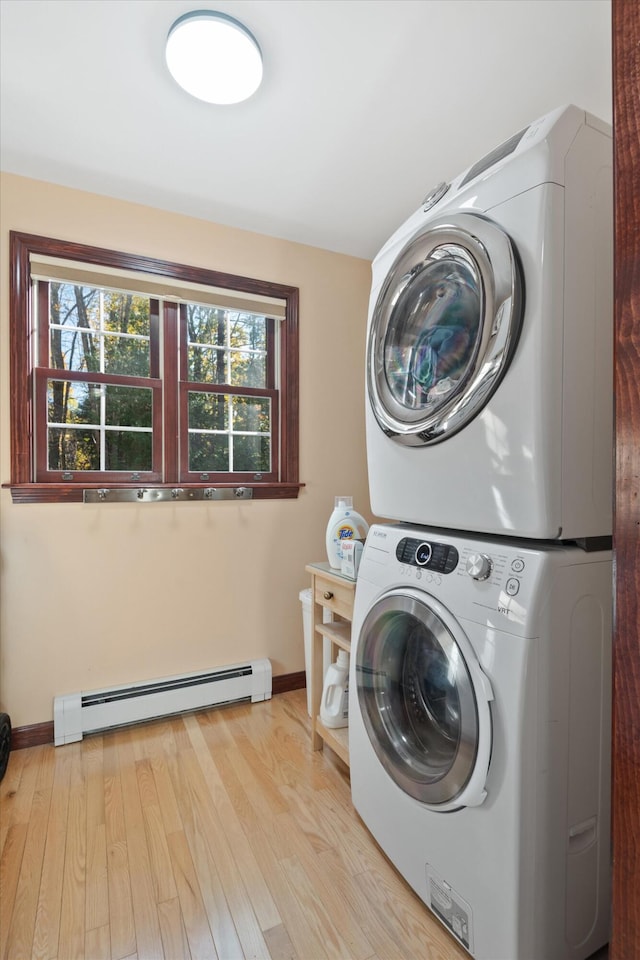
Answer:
(496, 583)
(503, 571)
(425, 554)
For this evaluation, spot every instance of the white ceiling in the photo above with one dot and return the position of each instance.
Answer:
(365, 105)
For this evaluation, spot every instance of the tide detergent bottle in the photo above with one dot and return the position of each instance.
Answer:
(345, 523)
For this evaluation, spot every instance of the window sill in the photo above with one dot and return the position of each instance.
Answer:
(74, 493)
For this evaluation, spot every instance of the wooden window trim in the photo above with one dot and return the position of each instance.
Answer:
(23, 488)
(170, 412)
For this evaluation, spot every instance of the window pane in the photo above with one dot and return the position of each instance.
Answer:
(248, 369)
(73, 402)
(209, 453)
(98, 330)
(206, 365)
(128, 406)
(74, 350)
(251, 454)
(74, 306)
(251, 414)
(208, 411)
(73, 449)
(126, 313)
(126, 450)
(206, 324)
(248, 331)
(127, 356)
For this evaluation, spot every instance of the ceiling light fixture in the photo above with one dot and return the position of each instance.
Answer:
(214, 57)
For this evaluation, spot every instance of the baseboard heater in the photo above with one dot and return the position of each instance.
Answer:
(78, 713)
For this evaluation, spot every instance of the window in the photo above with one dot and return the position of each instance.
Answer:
(128, 371)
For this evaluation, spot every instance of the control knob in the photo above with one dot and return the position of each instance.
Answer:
(478, 566)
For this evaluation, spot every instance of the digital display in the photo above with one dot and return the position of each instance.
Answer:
(441, 557)
(498, 154)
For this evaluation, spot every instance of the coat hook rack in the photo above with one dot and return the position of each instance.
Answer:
(163, 494)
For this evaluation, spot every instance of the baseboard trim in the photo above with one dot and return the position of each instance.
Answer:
(32, 736)
(289, 681)
(38, 733)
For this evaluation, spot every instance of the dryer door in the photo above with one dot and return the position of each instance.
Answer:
(424, 700)
(443, 329)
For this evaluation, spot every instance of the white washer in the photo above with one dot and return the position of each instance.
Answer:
(489, 354)
(479, 734)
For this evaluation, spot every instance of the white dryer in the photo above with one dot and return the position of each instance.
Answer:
(489, 346)
(479, 734)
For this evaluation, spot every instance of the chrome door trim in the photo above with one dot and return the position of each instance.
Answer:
(431, 781)
(485, 249)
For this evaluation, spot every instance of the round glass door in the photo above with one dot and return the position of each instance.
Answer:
(443, 329)
(427, 719)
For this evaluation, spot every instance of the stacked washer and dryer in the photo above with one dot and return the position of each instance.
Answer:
(479, 714)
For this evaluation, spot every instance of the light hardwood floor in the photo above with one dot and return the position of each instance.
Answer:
(218, 834)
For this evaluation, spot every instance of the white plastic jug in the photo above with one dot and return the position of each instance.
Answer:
(334, 706)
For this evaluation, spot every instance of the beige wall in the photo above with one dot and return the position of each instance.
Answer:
(94, 595)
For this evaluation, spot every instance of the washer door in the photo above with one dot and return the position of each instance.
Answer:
(444, 329)
(424, 700)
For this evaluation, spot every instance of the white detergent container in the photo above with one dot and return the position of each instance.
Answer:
(345, 523)
(334, 706)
